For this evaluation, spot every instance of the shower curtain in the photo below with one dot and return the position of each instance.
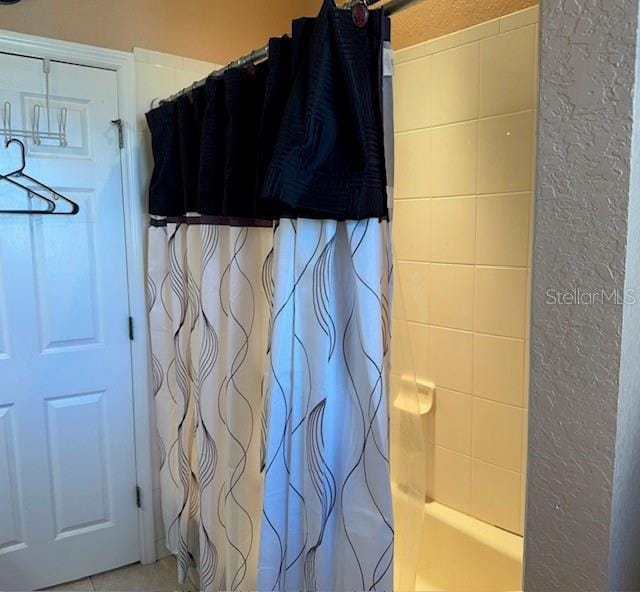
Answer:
(207, 306)
(269, 280)
(327, 521)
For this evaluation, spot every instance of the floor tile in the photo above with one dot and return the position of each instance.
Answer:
(80, 585)
(159, 577)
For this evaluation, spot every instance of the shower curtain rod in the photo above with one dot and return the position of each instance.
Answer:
(258, 55)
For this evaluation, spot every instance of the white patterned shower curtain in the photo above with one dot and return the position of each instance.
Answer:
(270, 378)
(208, 314)
(327, 502)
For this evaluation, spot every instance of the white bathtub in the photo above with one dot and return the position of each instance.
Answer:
(459, 553)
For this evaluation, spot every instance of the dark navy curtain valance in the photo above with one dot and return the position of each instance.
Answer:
(299, 135)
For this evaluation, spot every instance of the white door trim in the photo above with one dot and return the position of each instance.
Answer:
(123, 65)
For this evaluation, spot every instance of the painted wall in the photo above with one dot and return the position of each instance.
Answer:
(584, 385)
(215, 30)
(220, 30)
(464, 118)
(435, 18)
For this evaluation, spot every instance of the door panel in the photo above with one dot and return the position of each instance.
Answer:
(11, 511)
(67, 458)
(64, 259)
(79, 504)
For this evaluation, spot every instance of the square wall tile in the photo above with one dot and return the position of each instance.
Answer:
(527, 314)
(186, 78)
(429, 428)
(412, 229)
(501, 301)
(506, 152)
(397, 303)
(199, 68)
(525, 440)
(442, 43)
(450, 358)
(413, 164)
(498, 369)
(527, 370)
(521, 18)
(451, 300)
(453, 92)
(152, 82)
(453, 421)
(453, 160)
(419, 352)
(414, 279)
(507, 64)
(401, 349)
(166, 60)
(495, 496)
(476, 32)
(453, 229)
(145, 163)
(496, 434)
(523, 504)
(430, 472)
(536, 67)
(503, 223)
(141, 55)
(412, 84)
(525, 448)
(406, 54)
(452, 479)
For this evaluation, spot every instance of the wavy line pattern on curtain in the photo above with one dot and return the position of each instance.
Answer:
(269, 316)
(327, 508)
(276, 470)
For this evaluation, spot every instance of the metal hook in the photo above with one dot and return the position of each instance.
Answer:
(35, 127)
(62, 127)
(6, 121)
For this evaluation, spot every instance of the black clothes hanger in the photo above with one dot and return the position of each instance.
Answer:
(19, 174)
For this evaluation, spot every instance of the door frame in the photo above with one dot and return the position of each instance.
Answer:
(135, 218)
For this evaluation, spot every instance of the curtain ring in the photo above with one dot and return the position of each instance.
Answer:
(360, 14)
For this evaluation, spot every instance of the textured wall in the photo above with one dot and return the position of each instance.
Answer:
(624, 563)
(587, 80)
(213, 30)
(433, 18)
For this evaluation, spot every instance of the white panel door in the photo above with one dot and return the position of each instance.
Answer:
(67, 462)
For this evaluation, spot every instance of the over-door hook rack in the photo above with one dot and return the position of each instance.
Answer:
(34, 133)
(50, 200)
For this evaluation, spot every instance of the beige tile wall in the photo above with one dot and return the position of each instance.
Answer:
(464, 118)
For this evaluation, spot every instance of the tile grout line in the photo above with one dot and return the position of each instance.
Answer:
(475, 285)
(472, 459)
(409, 198)
(477, 119)
(417, 198)
(475, 265)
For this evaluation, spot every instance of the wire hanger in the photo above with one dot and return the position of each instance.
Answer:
(20, 174)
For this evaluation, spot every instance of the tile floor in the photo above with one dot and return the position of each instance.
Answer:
(159, 577)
